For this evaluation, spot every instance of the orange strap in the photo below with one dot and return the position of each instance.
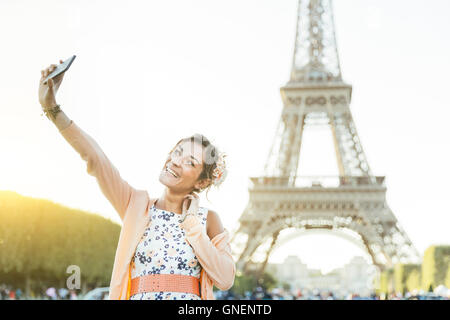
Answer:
(165, 282)
(129, 284)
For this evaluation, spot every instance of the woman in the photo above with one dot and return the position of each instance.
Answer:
(169, 247)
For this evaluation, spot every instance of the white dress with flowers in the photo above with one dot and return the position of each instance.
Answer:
(163, 250)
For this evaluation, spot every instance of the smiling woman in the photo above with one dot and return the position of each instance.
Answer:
(187, 158)
(169, 247)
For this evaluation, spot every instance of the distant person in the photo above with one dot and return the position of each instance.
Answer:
(73, 295)
(63, 292)
(51, 293)
(169, 247)
(18, 294)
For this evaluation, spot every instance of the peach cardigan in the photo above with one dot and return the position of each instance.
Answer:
(218, 267)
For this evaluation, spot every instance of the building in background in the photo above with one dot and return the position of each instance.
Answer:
(356, 277)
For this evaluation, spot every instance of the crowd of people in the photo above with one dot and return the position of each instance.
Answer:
(8, 292)
(282, 294)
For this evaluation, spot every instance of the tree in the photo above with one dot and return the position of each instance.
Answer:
(247, 282)
(413, 280)
(436, 261)
(39, 239)
(447, 278)
(402, 272)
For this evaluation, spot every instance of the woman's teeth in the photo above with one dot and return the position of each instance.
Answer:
(171, 172)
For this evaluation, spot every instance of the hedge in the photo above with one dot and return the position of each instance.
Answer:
(407, 277)
(39, 239)
(436, 261)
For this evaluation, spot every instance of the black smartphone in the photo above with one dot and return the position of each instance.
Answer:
(62, 67)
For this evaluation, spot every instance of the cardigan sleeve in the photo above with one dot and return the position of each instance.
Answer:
(115, 189)
(214, 255)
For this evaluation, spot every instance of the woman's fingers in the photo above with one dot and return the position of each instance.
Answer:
(51, 68)
(48, 70)
(190, 204)
(45, 72)
(192, 195)
(184, 205)
(193, 208)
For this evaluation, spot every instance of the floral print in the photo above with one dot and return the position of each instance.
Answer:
(163, 249)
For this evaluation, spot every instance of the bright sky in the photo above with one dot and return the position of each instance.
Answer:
(148, 73)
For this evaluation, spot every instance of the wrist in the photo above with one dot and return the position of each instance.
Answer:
(50, 106)
(190, 221)
(52, 112)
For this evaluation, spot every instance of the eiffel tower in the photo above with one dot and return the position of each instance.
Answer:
(351, 205)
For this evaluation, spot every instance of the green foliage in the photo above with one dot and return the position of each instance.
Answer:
(436, 261)
(428, 267)
(267, 281)
(402, 273)
(382, 284)
(413, 280)
(386, 285)
(447, 278)
(249, 281)
(243, 283)
(40, 239)
(286, 286)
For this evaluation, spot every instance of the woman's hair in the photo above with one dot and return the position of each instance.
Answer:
(211, 157)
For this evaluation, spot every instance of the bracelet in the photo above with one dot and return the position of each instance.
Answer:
(52, 111)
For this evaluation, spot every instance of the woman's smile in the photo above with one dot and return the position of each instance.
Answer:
(171, 172)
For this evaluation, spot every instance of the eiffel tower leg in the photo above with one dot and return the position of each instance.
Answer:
(243, 262)
(263, 265)
(296, 147)
(396, 244)
(350, 154)
(372, 253)
(337, 148)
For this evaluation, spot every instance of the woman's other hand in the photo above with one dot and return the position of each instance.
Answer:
(190, 205)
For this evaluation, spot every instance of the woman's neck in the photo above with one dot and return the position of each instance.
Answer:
(170, 202)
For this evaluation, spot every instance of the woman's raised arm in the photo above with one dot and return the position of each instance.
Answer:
(115, 189)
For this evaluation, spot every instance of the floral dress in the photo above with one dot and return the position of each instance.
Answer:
(163, 250)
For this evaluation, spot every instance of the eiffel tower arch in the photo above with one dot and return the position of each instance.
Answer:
(351, 205)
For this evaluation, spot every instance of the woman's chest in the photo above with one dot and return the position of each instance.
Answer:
(163, 237)
(164, 229)
(163, 247)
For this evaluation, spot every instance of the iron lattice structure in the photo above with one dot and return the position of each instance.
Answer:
(351, 205)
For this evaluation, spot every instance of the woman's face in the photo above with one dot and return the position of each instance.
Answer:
(183, 167)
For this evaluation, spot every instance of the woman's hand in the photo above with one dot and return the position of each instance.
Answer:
(190, 205)
(47, 91)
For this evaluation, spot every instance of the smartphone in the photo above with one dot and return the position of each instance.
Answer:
(62, 67)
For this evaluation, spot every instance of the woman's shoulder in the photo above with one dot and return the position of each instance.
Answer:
(214, 224)
(206, 212)
(209, 213)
